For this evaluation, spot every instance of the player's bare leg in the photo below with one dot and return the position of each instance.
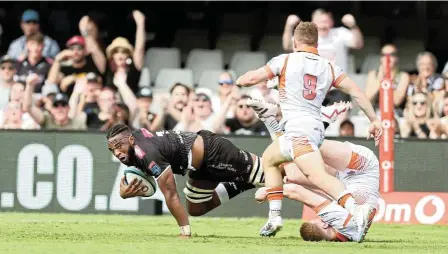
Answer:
(204, 196)
(272, 158)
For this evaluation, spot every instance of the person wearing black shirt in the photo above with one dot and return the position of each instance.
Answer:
(72, 64)
(217, 169)
(124, 58)
(34, 62)
(245, 121)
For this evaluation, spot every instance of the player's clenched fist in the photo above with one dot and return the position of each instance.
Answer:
(292, 21)
(349, 21)
(375, 131)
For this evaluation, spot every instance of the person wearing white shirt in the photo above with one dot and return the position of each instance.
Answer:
(334, 43)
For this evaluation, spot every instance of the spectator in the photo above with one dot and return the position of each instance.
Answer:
(198, 114)
(89, 29)
(427, 80)
(179, 97)
(245, 121)
(34, 61)
(14, 118)
(30, 26)
(400, 80)
(145, 118)
(85, 99)
(77, 63)
(44, 101)
(417, 116)
(226, 86)
(124, 59)
(120, 115)
(17, 92)
(8, 70)
(333, 42)
(346, 129)
(262, 92)
(58, 116)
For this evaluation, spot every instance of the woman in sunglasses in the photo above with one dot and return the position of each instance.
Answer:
(417, 118)
(400, 80)
(124, 59)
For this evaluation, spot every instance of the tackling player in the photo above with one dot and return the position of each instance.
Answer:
(358, 169)
(304, 80)
(355, 166)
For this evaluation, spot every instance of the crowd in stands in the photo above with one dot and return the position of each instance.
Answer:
(91, 86)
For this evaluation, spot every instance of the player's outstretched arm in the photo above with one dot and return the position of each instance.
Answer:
(254, 77)
(347, 85)
(167, 185)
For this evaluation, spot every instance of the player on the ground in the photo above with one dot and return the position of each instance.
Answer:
(358, 169)
(217, 170)
(304, 79)
(356, 166)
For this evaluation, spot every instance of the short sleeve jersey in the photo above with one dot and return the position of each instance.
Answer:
(304, 79)
(155, 152)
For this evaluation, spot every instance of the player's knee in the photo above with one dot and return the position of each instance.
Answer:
(195, 209)
(196, 199)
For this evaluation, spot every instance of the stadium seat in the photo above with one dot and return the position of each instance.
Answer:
(199, 60)
(408, 51)
(243, 61)
(167, 77)
(351, 64)
(272, 45)
(188, 39)
(230, 43)
(371, 62)
(371, 46)
(209, 79)
(145, 77)
(159, 58)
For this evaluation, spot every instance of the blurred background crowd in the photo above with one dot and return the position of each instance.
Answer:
(65, 68)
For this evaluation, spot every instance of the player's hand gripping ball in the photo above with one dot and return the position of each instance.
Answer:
(149, 182)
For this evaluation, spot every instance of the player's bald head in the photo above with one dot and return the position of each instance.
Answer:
(306, 33)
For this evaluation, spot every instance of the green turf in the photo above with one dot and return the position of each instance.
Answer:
(98, 234)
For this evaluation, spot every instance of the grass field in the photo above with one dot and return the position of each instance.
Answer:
(64, 233)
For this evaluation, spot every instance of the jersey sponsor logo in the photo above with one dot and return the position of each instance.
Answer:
(146, 133)
(139, 152)
(154, 168)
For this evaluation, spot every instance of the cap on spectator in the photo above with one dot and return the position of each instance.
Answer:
(30, 15)
(204, 92)
(49, 88)
(60, 97)
(144, 92)
(7, 59)
(93, 77)
(76, 40)
(119, 42)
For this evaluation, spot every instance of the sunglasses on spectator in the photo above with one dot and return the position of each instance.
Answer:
(201, 98)
(241, 106)
(419, 102)
(78, 47)
(225, 82)
(391, 54)
(8, 67)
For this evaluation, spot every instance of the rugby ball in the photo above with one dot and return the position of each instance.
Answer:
(131, 173)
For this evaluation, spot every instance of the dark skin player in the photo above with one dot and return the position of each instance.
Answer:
(158, 155)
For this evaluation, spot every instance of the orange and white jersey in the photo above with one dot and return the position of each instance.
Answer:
(304, 79)
(340, 220)
(361, 177)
